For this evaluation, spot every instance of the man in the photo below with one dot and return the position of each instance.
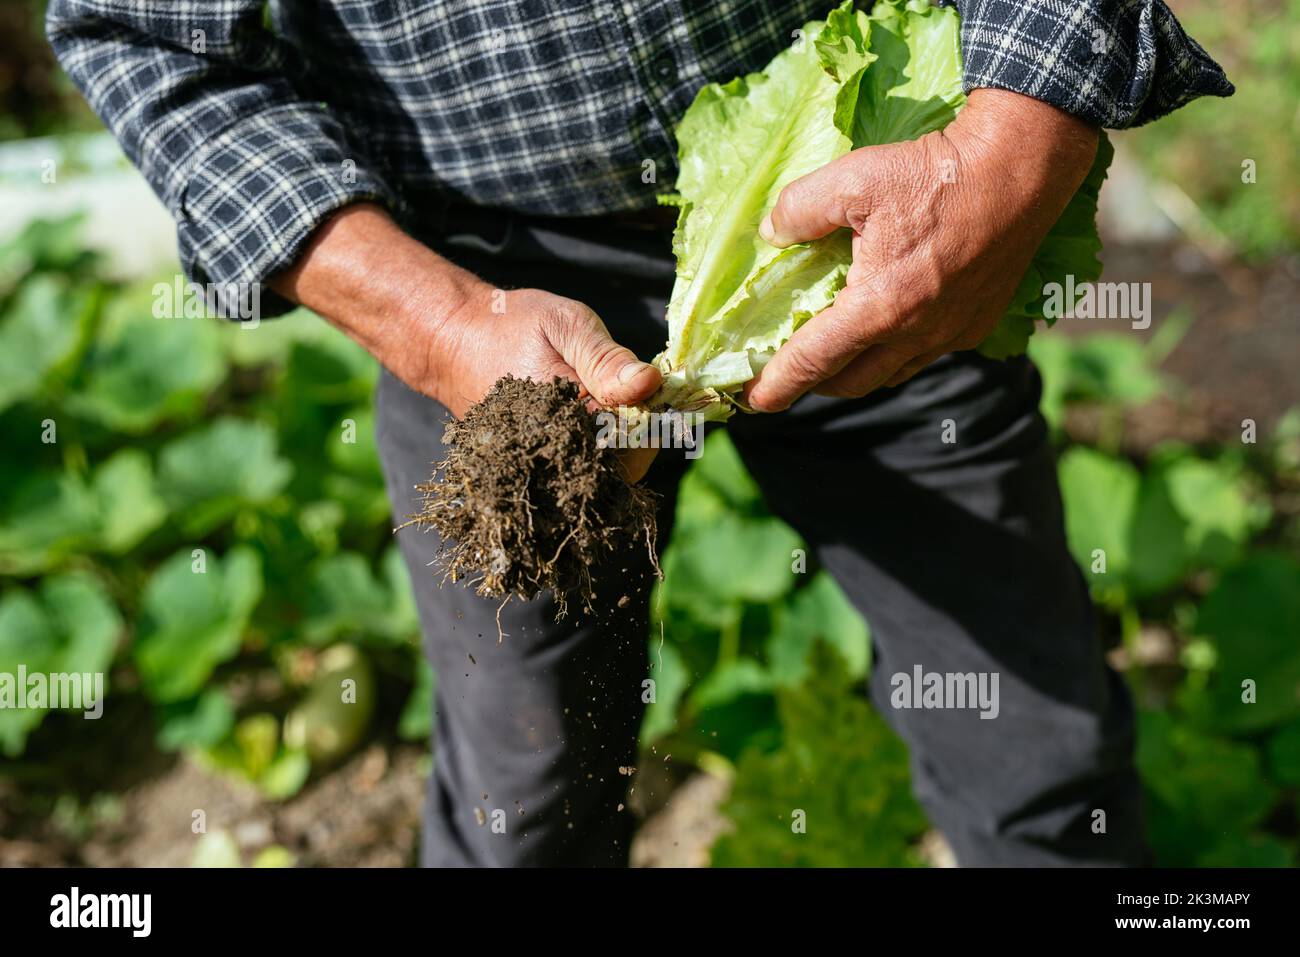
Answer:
(391, 164)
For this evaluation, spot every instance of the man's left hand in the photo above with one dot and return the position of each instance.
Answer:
(944, 228)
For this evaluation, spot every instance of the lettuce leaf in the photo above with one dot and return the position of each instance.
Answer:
(854, 80)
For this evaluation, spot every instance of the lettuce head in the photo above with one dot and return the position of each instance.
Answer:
(856, 79)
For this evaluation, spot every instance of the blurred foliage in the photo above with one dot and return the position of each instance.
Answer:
(834, 793)
(176, 511)
(36, 97)
(1202, 147)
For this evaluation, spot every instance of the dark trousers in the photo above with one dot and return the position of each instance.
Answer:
(953, 551)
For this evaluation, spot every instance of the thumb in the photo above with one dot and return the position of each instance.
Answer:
(816, 204)
(817, 351)
(610, 372)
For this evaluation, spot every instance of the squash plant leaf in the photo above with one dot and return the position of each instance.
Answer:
(210, 474)
(67, 625)
(193, 615)
(840, 768)
(143, 369)
(54, 515)
(1253, 619)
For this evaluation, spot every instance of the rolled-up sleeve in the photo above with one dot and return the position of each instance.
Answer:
(202, 98)
(1115, 63)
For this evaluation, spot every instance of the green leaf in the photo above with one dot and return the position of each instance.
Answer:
(717, 482)
(254, 752)
(1102, 367)
(671, 678)
(1213, 499)
(863, 80)
(270, 343)
(738, 559)
(208, 475)
(69, 625)
(730, 681)
(736, 720)
(1101, 496)
(1157, 540)
(192, 620)
(52, 516)
(346, 598)
(48, 246)
(737, 297)
(839, 770)
(40, 333)
(1051, 354)
(351, 448)
(199, 722)
(416, 720)
(402, 611)
(358, 483)
(143, 369)
(1253, 618)
(1107, 367)
(1202, 790)
(129, 504)
(330, 370)
(914, 84)
(818, 612)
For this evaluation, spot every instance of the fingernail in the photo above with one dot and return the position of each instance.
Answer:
(630, 372)
(765, 230)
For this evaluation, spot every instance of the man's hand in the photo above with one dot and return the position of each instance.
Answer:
(446, 333)
(943, 230)
(531, 334)
(537, 335)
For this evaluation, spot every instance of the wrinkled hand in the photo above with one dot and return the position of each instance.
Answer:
(944, 228)
(537, 335)
(447, 333)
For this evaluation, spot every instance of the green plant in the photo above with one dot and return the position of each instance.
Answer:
(834, 793)
(1234, 160)
(185, 502)
(855, 80)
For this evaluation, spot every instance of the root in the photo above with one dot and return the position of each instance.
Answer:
(528, 502)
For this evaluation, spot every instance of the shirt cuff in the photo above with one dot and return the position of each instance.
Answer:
(1113, 63)
(258, 191)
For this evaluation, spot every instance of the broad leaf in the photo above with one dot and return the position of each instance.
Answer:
(143, 369)
(209, 475)
(40, 333)
(839, 772)
(192, 619)
(68, 626)
(1253, 618)
(1101, 496)
(818, 612)
(52, 516)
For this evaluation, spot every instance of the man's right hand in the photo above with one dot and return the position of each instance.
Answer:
(531, 334)
(445, 332)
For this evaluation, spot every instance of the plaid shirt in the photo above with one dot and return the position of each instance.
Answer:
(253, 133)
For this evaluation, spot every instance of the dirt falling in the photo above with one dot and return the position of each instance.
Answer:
(527, 501)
